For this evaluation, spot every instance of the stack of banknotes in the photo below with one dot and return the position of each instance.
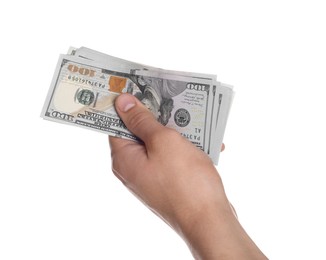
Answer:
(86, 83)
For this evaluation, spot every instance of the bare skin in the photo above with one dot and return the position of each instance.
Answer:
(180, 184)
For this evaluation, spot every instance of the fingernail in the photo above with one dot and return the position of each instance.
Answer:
(126, 102)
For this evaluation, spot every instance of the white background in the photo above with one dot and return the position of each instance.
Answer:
(58, 197)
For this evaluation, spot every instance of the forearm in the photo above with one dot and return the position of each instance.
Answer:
(217, 234)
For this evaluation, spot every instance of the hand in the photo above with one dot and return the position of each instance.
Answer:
(168, 173)
(177, 181)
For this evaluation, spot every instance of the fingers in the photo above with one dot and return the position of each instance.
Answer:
(117, 144)
(125, 154)
(233, 210)
(222, 147)
(136, 117)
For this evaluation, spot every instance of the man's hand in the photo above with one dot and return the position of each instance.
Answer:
(179, 183)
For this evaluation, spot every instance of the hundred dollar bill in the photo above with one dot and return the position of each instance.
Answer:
(106, 59)
(223, 96)
(82, 93)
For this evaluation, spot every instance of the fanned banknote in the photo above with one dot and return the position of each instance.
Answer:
(86, 83)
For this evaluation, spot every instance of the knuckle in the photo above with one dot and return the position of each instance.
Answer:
(137, 119)
(114, 164)
(116, 169)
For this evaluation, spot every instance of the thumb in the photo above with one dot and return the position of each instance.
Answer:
(138, 119)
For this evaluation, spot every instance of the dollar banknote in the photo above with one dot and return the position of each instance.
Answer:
(86, 83)
(103, 58)
(223, 93)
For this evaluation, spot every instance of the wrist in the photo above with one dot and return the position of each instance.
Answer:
(216, 232)
(206, 232)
